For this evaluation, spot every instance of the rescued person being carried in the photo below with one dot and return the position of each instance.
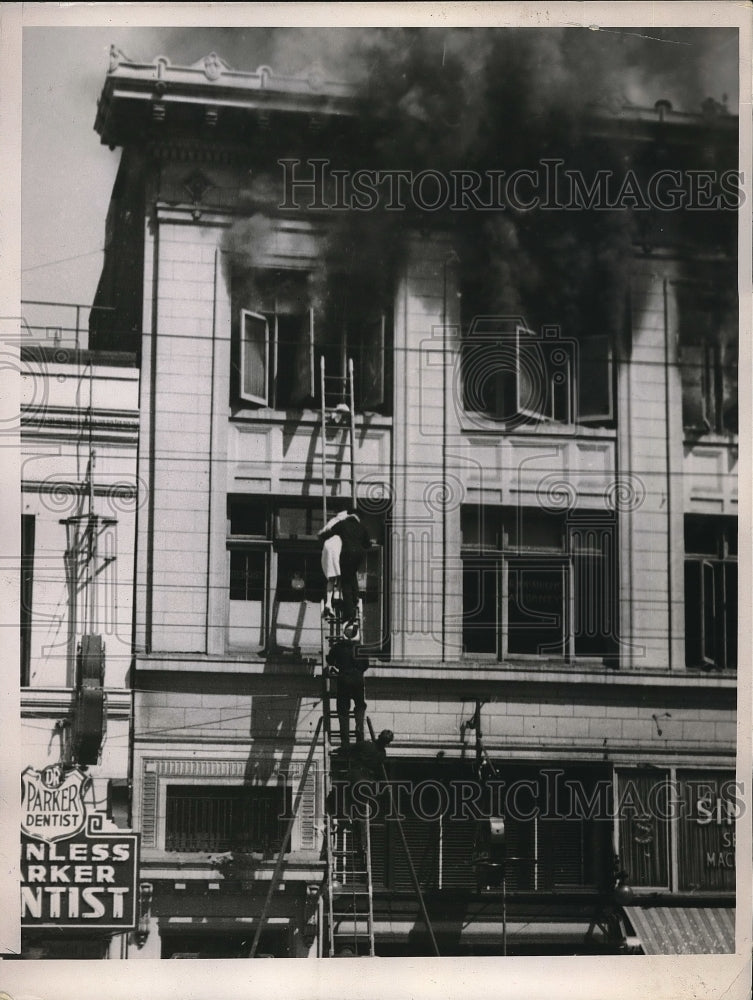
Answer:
(345, 543)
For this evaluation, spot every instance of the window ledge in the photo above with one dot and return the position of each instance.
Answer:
(477, 423)
(200, 866)
(304, 417)
(549, 672)
(728, 440)
(546, 671)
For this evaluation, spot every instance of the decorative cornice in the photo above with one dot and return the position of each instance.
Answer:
(150, 94)
(212, 69)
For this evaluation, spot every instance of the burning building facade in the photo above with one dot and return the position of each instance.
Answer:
(544, 457)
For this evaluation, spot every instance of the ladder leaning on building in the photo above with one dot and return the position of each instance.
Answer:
(348, 886)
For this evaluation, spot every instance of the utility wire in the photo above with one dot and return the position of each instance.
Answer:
(64, 260)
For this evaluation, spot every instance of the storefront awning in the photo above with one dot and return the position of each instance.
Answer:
(684, 930)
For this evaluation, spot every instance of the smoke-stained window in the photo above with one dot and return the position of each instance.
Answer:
(516, 375)
(275, 578)
(707, 354)
(711, 591)
(285, 325)
(539, 583)
(272, 353)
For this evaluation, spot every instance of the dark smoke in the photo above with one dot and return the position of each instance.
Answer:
(499, 99)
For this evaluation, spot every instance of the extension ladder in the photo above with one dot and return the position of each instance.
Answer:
(338, 442)
(349, 886)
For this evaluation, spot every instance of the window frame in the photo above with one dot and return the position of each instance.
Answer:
(229, 790)
(680, 781)
(702, 348)
(276, 544)
(508, 555)
(714, 567)
(474, 340)
(346, 337)
(246, 396)
(661, 823)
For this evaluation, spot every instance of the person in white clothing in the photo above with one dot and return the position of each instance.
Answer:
(331, 549)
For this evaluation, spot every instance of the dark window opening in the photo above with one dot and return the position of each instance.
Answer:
(299, 576)
(480, 602)
(207, 818)
(514, 374)
(536, 609)
(28, 523)
(248, 517)
(247, 575)
(708, 355)
(711, 592)
(279, 339)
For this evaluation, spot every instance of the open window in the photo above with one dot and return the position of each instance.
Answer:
(254, 366)
(544, 375)
(707, 355)
(710, 591)
(279, 339)
(594, 380)
(371, 369)
(358, 332)
(514, 374)
(273, 340)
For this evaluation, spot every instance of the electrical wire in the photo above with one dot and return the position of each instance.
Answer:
(63, 260)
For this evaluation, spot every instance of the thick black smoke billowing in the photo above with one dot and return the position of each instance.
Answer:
(495, 99)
